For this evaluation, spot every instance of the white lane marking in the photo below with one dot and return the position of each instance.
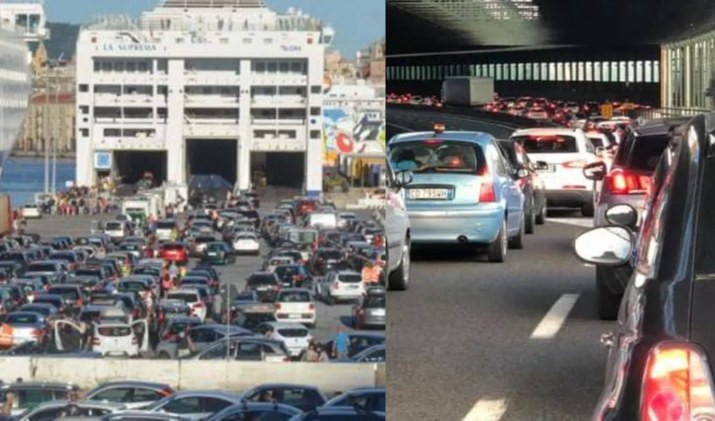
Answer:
(487, 410)
(579, 222)
(555, 317)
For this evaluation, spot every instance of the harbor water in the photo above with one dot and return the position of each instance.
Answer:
(22, 178)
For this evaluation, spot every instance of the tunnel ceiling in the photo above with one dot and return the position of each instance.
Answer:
(439, 25)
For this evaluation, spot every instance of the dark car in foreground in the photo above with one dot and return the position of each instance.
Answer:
(659, 365)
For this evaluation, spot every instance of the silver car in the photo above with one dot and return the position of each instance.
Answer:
(398, 230)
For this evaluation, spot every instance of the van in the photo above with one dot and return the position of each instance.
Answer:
(323, 220)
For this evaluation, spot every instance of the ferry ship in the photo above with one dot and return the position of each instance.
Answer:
(21, 22)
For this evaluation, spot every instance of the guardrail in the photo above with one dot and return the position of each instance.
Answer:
(658, 113)
(515, 121)
(191, 374)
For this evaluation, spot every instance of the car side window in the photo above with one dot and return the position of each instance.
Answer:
(146, 395)
(214, 405)
(248, 351)
(112, 395)
(188, 405)
(497, 161)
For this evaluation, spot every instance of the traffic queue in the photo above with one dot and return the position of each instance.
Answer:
(154, 290)
(141, 400)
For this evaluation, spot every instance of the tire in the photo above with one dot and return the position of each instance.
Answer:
(399, 279)
(517, 242)
(587, 209)
(164, 356)
(530, 218)
(498, 248)
(607, 302)
(541, 216)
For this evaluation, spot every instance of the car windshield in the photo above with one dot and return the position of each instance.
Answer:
(548, 143)
(115, 331)
(646, 153)
(183, 296)
(21, 319)
(113, 226)
(261, 280)
(246, 237)
(216, 247)
(434, 155)
(302, 237)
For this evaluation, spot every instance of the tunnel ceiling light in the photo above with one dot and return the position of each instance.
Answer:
(484, 22)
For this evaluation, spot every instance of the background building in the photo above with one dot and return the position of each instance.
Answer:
(202, 87)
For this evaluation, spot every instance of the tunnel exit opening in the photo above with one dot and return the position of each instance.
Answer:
(212, 156)
(130, 166)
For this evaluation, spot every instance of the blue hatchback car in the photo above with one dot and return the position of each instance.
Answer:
(463, 191)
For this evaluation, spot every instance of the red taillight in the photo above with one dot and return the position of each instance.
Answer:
(311, 306)
(574, 164)
(38, 332)
(486, 192)
(676, 384)
(197, 306)
(166, 392)
(278, 306)
(620, 182)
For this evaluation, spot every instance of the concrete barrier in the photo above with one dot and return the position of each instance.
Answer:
(225, 375)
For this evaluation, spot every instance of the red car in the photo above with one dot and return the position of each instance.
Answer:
(175, 252)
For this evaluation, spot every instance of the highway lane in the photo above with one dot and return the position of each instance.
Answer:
(329, 318)
(480, 341)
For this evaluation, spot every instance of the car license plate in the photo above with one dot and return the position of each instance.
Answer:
(294, 316)
(211, 253)
(353, 286)
(380, 312)
(429, 194)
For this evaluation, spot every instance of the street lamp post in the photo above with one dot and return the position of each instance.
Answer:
(45, 134)
(55, 138)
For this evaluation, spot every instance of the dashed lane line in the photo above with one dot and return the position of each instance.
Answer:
(487, 410)
(555, 317)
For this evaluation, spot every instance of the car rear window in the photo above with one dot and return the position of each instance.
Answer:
(375, 302)
(115, 331)
(185, 297)
(21, 319)
(548, 143)
(293, 332)
(645, 153)
(294, 297)
(350, 278)
(434, 155)
(596, 141)
(113, 226)
(173, 247)
(329, 255)
(261, 280)
(65, 293)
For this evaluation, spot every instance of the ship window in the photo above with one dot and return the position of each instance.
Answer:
(131, 67)
(260, 67)
(284, 67)
(106, 66)
(272, 67)
(316, 89)
(84, 132)
(84, 87)
(143, 67)
(296, 67)
(118, 66)
(97, 66)
(315, 134)
(84, 109)
(315, 111)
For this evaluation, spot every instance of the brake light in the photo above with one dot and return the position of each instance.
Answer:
(38, 332)
(575, 164)
(676, 384)
(166, 392)
(278, 306)
(620, 182)
(486, 192)
(197, 306)
(311, 306)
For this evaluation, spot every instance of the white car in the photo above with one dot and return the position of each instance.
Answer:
(344, 285)
(295, 305)
(294, 336)
(193, 299)
(116, 230)
(116, 338)
(397, 228)
(31, 212)
(246, 242)
(323, 220)
(560, 155)
(345, 218)
(274, 262)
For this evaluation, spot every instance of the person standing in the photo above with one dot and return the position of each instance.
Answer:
(174, 273)
(341, 344)
(7, 405)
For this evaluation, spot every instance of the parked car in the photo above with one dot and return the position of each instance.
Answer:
(295, 337)
(461, 181)
(367, 398)
(257, 411)
(219, 253)
(302, 397)
(370, 309)
(193, 299)
(31, 211)
(28, 395)
(133, 395)
(295, 305)
(64, 409)
(344, 285)
(23, 326)
(266, 285)
(245, 349)
(176, 252)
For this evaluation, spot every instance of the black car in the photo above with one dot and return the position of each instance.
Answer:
(531, 186)
(294, 276)
(266, 285)
(659, 364)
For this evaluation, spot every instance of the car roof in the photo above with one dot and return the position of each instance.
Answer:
(49, 385)
(545, 131)
(134, 383)
(475, 137)
(215, 393)
(286, 325)
(285, 386)
(660, 127)
(295, 290)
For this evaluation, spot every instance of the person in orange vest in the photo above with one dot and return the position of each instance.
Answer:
(371, 273)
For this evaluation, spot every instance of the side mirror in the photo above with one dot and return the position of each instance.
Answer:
(622, 215)
(595, 171)
(541, 165)
(403, 178)
(600, 151)
(522, 173)
(605, 246)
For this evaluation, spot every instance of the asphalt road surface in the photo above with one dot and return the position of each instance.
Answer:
(329, 318)
(472, 340)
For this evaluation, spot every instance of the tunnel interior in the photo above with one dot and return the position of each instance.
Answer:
(130, 166)
(212, 156)
(285, 169)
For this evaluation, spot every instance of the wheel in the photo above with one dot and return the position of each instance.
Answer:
(164, 356)
(399, 279)
(587, 209)
(330, 300)
(541, 216)
(607, 301)
(497, 249)
(530, 218)
(517, 242)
